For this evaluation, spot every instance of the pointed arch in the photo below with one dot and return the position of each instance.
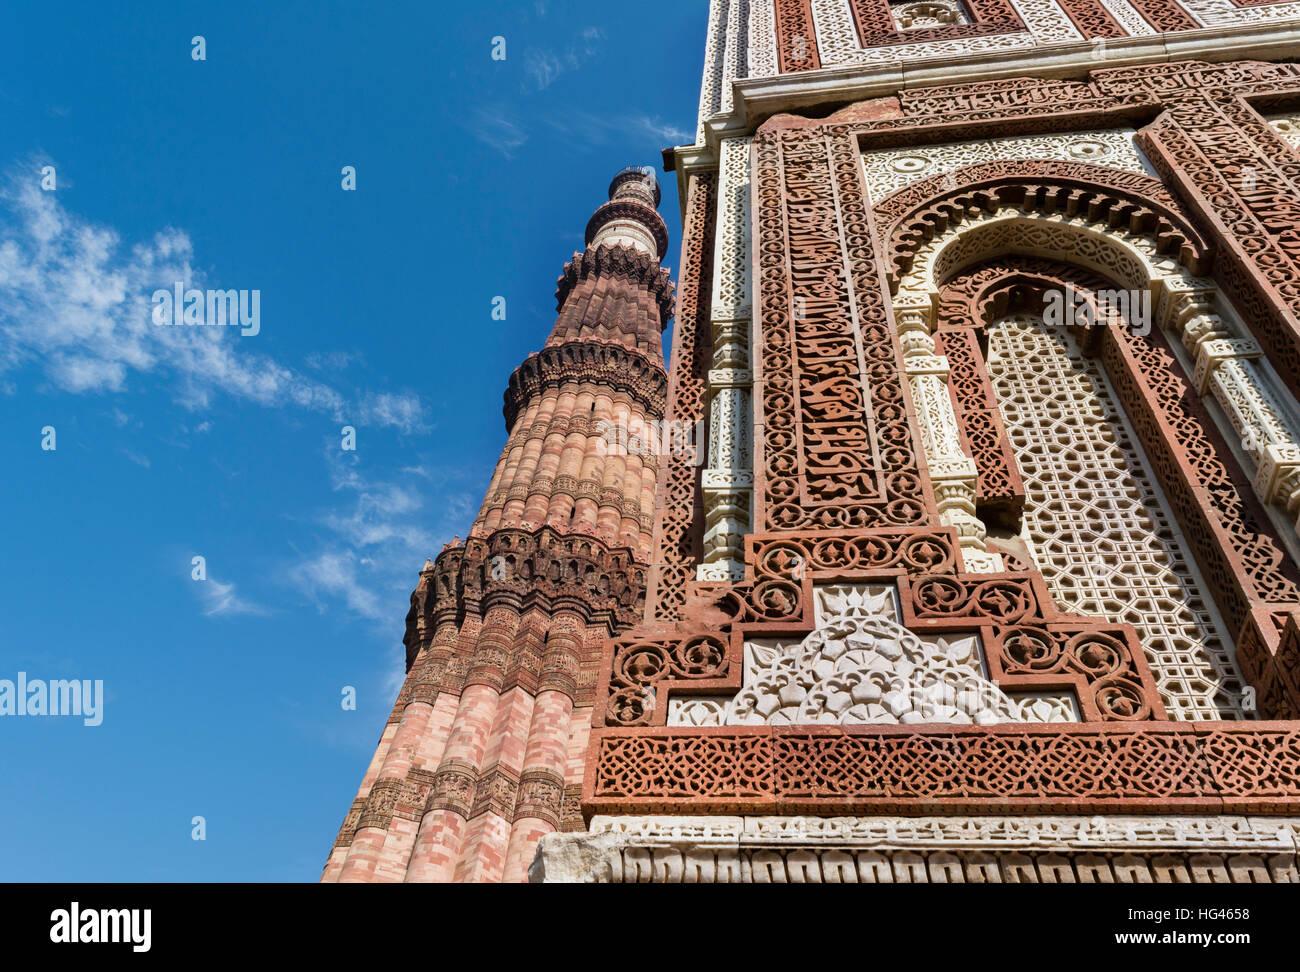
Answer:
(964, 246)
(1098, 196)
(1115, 549)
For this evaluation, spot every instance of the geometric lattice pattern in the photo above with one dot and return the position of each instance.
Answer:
(1104, 542)
(926, 770)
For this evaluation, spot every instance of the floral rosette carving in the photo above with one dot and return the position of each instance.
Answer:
(870, 670)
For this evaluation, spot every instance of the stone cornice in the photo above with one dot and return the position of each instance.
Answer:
(947, 849)
(757, 99)
(625, 263)
(524, 568)
(614, 366)
(630, 209)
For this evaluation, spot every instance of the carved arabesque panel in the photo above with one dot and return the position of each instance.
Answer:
(889, 170)
(837, 448)
(676, 530)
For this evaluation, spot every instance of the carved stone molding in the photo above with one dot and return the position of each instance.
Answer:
(523, 567)
(622, 370)
(1077, 191)
(621, 263)
(1144, 767)
(677, 530)
(727, 483)
(891, 169)
(836, 850)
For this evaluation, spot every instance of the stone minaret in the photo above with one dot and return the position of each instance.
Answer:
(484, 750)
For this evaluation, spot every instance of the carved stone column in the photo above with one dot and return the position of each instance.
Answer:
(728, 482)
(952, 473)
(1225, 368)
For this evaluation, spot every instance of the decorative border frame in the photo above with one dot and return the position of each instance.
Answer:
(1162, 767)
(679, 502)
(796, 37)
(796, 40)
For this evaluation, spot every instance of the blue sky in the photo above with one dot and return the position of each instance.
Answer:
(475, 179)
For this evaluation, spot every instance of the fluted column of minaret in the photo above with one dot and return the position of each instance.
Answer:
(546, 752)
(476, 765)
(405, 740)
(585, 426)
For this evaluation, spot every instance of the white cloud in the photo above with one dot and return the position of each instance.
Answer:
(378, 538)
(137, 458)
(493, 127)
(333, 577)
(76, 301)
(403, 411)
(505, 129)
(544, 66)
(75, 373)
(605, 129)
(664, 131)
(331, 360)
(221, 599)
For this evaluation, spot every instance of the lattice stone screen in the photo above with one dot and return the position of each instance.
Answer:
(1102, 537)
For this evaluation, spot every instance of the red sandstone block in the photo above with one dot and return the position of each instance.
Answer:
(579, 736)
(434, 741)
(376, 761)
(469, 733)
